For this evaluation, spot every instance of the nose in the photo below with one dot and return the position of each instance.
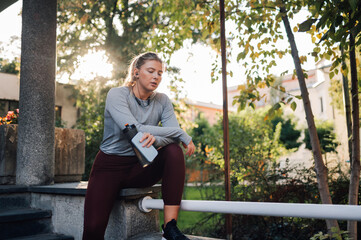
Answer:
(155, 75)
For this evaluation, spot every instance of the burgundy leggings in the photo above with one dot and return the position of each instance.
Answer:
(110, 173)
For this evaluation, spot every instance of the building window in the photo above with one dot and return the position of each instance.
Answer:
(321, 102)
(58, 112)
(3, 108)
(58, 121)
(13, 105)
(7, 105)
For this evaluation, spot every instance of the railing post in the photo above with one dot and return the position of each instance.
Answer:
(225, 119)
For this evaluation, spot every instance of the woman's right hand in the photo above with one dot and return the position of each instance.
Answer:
(148, 139)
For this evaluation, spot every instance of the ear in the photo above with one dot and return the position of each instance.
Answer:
(136, 71)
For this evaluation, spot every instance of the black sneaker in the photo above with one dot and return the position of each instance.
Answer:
(171, 232)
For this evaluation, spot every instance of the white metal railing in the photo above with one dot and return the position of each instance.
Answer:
(319, 211)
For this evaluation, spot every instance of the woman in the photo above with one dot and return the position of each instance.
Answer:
(116, 165)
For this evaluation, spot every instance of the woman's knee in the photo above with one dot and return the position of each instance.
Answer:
(173, 152)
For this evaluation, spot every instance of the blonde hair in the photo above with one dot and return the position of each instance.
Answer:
(137, 62)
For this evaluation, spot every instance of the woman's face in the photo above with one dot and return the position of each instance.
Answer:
(149, 75)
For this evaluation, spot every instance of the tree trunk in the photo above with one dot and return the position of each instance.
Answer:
(321, 170)
(346, 94)
(355, 161)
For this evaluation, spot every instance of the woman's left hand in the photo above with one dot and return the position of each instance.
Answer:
(190, 148)
(148, 139)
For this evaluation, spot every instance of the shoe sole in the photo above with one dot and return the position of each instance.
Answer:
(163, 238)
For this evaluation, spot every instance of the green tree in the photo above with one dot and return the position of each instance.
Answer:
(7, 66)
(337, 23)
(118, 27)
(91, 97)
(259, 28)
(328, 142)
(253, 144)
(204, 137)
(256, 175)
(124, 29)
(289, 134)
(10, 56)
(321, 169)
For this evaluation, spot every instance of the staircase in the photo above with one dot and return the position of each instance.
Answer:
(19, 221)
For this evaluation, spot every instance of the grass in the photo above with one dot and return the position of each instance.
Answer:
(186, 219)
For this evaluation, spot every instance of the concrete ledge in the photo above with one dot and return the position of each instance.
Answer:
(4, 189)
(158, 236)
(78, 189)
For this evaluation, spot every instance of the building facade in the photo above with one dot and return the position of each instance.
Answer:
(65, 102)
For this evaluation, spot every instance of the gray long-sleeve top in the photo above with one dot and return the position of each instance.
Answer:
(122, 108)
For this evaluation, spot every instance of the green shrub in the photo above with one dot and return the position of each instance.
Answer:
(256, 176)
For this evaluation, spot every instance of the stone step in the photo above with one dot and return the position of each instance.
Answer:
(14, 200)
(158, 236)
(12, 196)
(24, 222)
(48, 236)
(23, 214)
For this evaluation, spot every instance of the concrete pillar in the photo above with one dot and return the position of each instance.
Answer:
(35, 152)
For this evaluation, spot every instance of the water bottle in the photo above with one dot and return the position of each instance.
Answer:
(130, 131)
(144, 154)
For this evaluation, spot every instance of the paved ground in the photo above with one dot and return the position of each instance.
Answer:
(158, 236)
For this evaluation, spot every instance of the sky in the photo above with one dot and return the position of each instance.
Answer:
(194, 61)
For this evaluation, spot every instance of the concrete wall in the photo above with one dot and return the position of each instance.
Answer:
(10, 86)
(66, 201)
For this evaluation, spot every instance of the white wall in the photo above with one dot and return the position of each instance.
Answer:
(9, 86)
